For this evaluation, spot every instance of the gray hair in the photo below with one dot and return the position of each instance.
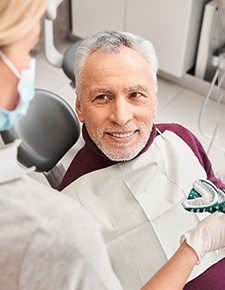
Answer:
(111, 41)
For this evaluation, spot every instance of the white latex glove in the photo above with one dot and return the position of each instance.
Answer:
(207, 236)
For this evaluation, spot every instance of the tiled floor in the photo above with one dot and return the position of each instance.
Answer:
(176, 104)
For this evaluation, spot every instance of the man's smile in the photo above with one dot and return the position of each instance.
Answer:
(121, 135)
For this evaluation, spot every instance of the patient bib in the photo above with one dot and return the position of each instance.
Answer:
(138, 205)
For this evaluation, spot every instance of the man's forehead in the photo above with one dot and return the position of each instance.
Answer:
(121, 52)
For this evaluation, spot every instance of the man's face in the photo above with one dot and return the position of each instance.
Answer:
(117, 102)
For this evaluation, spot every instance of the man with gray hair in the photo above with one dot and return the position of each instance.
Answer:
(132, 174)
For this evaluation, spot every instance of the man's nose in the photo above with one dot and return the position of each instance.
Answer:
(121, 111)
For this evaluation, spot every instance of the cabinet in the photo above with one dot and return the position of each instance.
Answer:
(173, 26)
(91, 16)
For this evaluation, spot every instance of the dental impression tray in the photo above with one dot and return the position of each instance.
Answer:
(205, 197)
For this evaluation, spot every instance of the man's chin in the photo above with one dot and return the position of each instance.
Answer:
(120, 155)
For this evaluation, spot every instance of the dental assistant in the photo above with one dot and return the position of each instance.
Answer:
(47, 241)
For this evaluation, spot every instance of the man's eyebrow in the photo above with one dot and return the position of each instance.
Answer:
(137, 88)
(95, 91)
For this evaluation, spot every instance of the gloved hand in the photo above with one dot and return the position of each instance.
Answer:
(207, 236)
(205, 196)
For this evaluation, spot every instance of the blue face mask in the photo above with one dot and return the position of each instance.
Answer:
(26, 93)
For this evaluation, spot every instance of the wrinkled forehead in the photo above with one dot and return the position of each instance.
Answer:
(112, 71)
(122, 56)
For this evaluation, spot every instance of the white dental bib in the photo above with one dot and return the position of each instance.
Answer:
(138, 205)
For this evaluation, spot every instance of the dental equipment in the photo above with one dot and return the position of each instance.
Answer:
(219, 61)
(205, 197)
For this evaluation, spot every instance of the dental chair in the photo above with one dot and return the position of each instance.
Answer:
(52, 54)
(48, 131)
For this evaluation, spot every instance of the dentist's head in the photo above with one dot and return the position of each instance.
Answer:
(19, 33)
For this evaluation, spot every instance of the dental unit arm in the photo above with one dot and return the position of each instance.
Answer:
(52, 54)
(217, 60)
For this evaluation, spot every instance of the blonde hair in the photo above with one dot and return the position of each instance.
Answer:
(17, 18)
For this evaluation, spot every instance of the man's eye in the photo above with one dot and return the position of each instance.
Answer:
(101, 97)
(135, 95)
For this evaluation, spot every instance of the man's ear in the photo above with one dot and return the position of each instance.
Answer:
(78, 109)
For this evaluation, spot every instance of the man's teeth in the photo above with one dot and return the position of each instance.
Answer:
(122, 135)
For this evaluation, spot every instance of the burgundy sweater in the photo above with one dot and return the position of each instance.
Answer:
(90, 158)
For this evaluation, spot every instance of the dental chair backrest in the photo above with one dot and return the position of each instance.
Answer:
(48, 131)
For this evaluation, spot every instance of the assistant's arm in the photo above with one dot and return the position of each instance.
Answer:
(207, 236)
(174, 274)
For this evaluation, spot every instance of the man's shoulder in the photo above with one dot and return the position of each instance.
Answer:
(183, 132)
(174, 127)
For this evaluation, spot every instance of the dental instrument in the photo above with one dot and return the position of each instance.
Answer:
(205, 197)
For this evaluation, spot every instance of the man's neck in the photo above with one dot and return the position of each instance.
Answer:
(97, 151)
